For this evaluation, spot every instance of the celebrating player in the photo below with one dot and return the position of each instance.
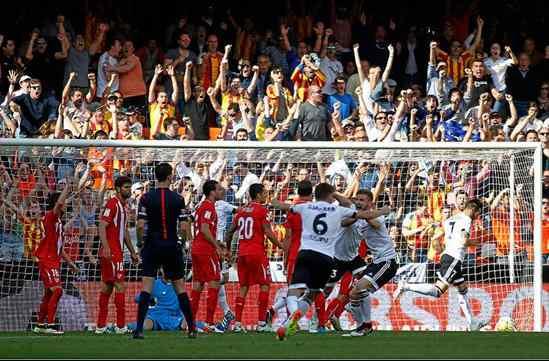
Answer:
(161, 210)
(321, 222)
(112, 232)
(206, 252)
(456, 239)
(49, 254)
(253, 266)
(376, 274)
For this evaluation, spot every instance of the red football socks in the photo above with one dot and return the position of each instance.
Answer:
(120, 303)
(52, 304)
(238, 308)
(211, 304)
(103, 311)
(263, 303)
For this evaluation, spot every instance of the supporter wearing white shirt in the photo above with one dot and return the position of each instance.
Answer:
(497, 65)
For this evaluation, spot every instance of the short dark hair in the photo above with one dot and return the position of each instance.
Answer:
(473, 204)
(208, 187)
(323, 190)
(111, 40)
(121, 180)
(168, 121)
(455, 90)
(162, 171)
(240, 130)
(432, 97)
(98, 133)
(255, 190)
(368, 193)
(304, 188)
(52, 200)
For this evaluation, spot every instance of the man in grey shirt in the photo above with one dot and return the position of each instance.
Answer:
(314, 120)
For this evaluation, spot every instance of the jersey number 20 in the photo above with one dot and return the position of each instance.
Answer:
(245, 228)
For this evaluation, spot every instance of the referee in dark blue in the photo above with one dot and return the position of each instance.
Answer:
(163, 212)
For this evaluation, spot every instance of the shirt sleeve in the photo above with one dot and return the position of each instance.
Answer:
(206, 215)
(109, 212)
(346, 212)
(19, 100)
(297, 208)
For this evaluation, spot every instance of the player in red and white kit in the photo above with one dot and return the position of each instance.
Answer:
(113, 232)
(253, 225)
(49, 254)
(206, 252)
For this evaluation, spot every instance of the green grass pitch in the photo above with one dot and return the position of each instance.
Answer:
(382, 344)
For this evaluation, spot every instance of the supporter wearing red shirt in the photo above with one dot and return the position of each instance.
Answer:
(49, 254)
(253, 266)
(206, 251)
(113, 232)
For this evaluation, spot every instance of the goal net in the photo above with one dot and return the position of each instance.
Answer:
(423, 183)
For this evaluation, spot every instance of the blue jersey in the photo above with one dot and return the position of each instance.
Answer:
(167, 303)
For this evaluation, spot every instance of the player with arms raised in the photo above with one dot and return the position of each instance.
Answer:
(49, 254)
(321, 223)
(113, 231)
(456, 239)
(253, 225)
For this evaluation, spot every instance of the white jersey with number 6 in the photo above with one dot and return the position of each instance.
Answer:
(455, 229)
(321, 224)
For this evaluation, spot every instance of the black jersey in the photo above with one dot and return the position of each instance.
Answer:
(162, 209)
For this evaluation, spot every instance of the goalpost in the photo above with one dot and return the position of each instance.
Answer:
(423, 182)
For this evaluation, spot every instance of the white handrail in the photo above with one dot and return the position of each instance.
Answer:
(266, 145)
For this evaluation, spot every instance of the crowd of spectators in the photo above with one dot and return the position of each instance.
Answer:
(348, 75)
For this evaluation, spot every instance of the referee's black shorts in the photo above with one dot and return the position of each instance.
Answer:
(169, 257)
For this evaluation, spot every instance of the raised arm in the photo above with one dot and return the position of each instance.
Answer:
(343, 201)
(213, 100)
(275, 203)
(96, 44)
(389, 64)
(323, 50)
(93, 88)
(319, 31)
(28, 54)
(478, 36)
(187, 91)
(63, 197)
(157, 71)
(171, 73)
(373, 213)
(513, 110)
(67, 88)
(58, 134)
(253, 83)
(358, 65)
